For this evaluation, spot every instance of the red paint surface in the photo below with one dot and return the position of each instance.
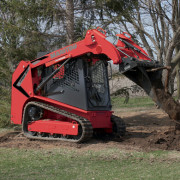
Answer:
(52, 126)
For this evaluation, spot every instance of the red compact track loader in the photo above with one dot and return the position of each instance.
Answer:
(64, 95)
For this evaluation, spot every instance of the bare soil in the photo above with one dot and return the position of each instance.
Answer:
(147, 129)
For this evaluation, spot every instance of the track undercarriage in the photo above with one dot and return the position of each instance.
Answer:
(85, 129)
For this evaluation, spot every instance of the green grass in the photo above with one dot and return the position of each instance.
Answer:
(118, 102)
(71, 164)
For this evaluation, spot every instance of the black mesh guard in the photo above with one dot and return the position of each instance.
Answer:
(80, 83)
(97, 85)
(68, 76)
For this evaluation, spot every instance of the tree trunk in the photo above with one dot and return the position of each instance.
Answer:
(178, 79)
(70, 21)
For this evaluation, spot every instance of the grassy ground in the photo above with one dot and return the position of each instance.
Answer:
(118, 102)
(73, 163)
(103, 164)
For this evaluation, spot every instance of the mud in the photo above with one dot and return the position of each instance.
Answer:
(147, 130)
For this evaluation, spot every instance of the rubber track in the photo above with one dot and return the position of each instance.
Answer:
(86, 125)
(120, 125)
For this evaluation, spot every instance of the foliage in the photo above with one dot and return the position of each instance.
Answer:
(121, 7)
(5, 107)
(27, 27)
(23, 27)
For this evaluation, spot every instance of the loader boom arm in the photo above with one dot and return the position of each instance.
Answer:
(95, 42)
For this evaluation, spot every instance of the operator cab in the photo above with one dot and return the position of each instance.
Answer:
(82, 83)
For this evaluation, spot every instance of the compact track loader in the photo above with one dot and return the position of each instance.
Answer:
(64, 95)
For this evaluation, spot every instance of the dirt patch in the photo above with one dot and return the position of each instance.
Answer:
(151, 129)
(168, 140)
(146, 130)
(7, 136)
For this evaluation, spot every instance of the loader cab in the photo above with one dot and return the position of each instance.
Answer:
(82, 83)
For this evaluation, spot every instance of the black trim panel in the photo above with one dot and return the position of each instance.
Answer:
(19, 80)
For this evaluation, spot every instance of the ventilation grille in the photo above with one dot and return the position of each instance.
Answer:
(67, 76)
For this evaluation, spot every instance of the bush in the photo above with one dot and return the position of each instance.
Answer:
(5, 107)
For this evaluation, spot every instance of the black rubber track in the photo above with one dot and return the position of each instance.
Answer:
(119, 126)
(87, 130)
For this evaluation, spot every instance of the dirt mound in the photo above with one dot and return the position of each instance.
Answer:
(168, 140)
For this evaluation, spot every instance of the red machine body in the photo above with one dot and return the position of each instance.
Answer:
(54, 119)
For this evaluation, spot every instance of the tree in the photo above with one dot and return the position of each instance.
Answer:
(24, 31)
(156, 25)
(27, 27)
(70, 21)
